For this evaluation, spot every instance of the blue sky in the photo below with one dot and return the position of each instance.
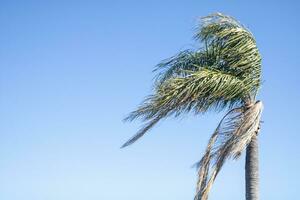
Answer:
(71, 70)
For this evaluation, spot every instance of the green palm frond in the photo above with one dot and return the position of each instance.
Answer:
(177, 65)
(199, 91)
(231, 137)
(224, 73)
(235, 45)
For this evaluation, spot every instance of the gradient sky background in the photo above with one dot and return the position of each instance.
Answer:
(71, 70)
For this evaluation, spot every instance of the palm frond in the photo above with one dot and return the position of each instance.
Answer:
(225, 73)
(176, 66)
(200, 91)
(235, 44)
(231, 137)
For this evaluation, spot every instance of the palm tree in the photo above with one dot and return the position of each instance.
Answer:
(223, 74)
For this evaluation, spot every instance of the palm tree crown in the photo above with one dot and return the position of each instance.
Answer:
(224, 73)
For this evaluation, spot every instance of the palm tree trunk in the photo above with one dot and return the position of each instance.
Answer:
(252, 176)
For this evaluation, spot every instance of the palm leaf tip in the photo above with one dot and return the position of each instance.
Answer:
(141, 132)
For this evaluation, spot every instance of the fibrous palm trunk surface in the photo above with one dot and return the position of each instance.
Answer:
(252, 170)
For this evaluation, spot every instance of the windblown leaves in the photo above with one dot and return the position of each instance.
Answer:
(224, 73)
(231, 137)
(198, 91)
(235, 45)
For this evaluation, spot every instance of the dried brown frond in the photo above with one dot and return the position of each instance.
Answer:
(231, 137)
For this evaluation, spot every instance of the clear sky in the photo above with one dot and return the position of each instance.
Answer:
(71, 70)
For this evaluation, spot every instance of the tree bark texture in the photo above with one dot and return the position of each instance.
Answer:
(252, 170)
